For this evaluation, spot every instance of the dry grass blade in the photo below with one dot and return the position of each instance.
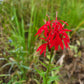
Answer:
(60, 61)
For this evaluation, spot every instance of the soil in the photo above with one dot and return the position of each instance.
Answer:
(72, 70)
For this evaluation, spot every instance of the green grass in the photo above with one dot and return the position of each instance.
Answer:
(22, 18)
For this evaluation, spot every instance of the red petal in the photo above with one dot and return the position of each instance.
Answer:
(63, 22)
(66, 30)
(66, 43)
(66, 36)
(43, 39)
(61, 45)
(42, 48)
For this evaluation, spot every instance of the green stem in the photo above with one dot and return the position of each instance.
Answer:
(48, 69)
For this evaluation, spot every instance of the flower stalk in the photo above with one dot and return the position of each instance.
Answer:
(54, 36)
(48, 69)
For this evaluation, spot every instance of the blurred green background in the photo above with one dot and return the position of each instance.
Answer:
(20, 20)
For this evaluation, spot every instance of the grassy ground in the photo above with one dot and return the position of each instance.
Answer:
(20, 20)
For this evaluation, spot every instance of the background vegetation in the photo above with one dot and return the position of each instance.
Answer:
(19, 21)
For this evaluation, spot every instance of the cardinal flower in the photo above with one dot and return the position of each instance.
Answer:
(54, 35)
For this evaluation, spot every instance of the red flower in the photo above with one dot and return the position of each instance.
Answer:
(54, 35)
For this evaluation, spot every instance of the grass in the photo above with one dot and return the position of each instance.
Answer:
(21, 20)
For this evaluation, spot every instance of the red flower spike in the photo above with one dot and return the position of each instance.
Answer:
(54, 35)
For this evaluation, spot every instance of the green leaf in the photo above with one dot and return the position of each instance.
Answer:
(55, 68)
(38, 71)
(44, 79)
(4, 75)
(42, 73)
(43, 64)
(52, 78)
(26, 67)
